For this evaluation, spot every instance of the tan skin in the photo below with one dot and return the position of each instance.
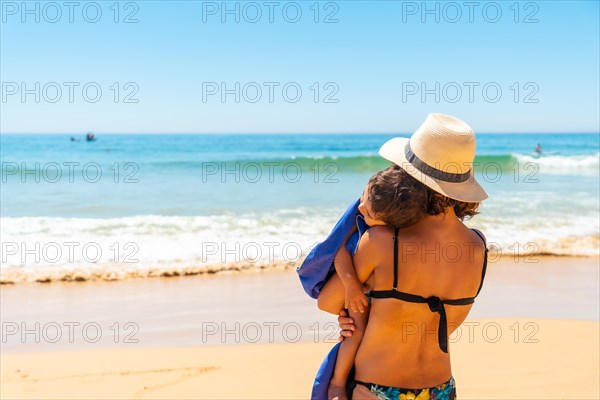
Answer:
(355, 299)
(358, 306)
(399, 345)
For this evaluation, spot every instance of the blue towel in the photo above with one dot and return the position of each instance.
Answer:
(324, 374)
(317, 268)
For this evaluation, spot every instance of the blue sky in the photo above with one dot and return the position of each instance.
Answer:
(375, 61)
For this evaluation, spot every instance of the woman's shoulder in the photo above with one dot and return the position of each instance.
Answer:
(480, 234)
(377, 235)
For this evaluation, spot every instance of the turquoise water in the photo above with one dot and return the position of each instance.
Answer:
(173, 194)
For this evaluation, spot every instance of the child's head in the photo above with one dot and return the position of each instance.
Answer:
(394, 198)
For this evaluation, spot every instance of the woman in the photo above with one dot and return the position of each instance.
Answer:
(424, 277)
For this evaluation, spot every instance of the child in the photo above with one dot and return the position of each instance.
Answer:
(384, 202)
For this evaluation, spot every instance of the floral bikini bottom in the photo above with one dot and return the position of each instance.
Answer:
(445, 391)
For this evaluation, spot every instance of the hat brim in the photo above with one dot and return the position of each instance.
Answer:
(469, 191)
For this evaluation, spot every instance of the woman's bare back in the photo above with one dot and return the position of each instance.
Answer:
(438, 256)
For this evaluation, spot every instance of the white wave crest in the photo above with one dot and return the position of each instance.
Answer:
(75, 249)
(558, 163)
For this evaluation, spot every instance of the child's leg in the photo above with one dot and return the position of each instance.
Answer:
(349, 348)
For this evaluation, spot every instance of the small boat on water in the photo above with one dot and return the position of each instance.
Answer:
(90, 137)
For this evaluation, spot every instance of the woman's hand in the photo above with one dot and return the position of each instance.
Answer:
(346, 325)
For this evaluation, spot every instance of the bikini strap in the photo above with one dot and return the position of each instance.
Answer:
(484, 261)
(395, 287)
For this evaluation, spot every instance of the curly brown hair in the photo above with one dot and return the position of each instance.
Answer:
(397, 198)
(438, 203)
(400, 200)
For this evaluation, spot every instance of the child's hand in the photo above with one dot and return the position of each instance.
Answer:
(355, 298)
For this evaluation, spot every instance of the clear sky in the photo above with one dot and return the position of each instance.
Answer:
(361, 67)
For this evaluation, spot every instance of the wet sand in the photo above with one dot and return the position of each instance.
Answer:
(257, 335)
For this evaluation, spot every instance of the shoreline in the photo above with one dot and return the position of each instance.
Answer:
(200, 310)
(533, 333)
(45, 276)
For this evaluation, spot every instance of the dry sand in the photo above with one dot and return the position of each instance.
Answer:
(551, 359)
(522, 343)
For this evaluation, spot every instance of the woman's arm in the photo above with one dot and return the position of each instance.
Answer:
(331, 298)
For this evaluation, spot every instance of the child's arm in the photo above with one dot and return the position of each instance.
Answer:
(348, 350)
(355, 299)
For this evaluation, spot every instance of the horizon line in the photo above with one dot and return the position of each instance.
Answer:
(287, 133)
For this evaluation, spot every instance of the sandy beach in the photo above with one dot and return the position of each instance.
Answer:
(534, 333)
(558, 361)
(166, 166)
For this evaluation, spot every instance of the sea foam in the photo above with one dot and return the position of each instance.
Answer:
(74, 249)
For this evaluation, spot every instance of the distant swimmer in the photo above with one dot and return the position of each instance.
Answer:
(538, 149)
(74, 139)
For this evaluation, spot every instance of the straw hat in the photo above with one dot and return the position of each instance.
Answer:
(440, 155)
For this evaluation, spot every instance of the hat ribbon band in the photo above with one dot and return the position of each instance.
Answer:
(434, 172)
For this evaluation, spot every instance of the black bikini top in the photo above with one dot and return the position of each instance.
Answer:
(435, 303)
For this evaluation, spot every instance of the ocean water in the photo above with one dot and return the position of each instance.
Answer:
(148, 205)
